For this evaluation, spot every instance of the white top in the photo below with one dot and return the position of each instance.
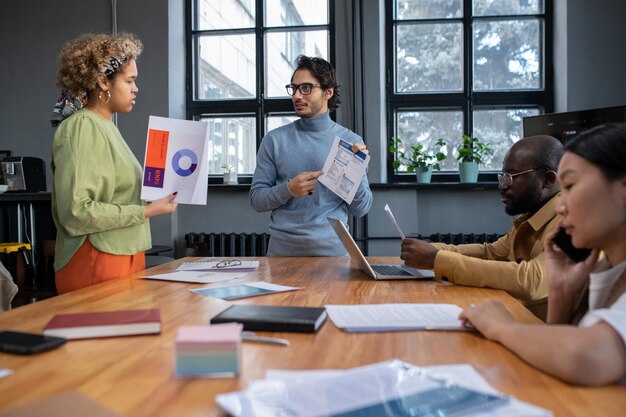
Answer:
(615, 316)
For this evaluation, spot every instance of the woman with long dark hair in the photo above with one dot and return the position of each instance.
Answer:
(584, 340)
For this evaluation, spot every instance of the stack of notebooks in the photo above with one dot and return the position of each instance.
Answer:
(208, 350)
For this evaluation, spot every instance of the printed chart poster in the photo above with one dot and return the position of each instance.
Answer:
(176, 160)
(344, 170)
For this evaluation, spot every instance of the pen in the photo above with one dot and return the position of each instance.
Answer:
(252, 337)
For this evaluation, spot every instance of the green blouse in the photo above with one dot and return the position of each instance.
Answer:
(96, 189)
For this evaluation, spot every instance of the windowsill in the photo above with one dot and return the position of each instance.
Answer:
(229, 187)
(478, 186)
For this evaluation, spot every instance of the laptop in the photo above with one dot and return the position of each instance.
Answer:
(375, 271)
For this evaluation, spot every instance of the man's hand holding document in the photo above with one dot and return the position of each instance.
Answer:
(344, 169)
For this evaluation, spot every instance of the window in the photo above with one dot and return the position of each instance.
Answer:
(240, 56)
(461, 66)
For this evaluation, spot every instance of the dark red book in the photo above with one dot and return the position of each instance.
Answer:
(104, 324)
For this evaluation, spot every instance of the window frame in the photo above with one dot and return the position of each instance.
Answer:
(467, 100)
(258, 107)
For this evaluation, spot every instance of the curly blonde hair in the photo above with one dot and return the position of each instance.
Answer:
(81, 61)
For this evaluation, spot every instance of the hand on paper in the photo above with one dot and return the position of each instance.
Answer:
(305, 183)
(360, 147)
(418, 254)
(165, 205)
(487, 318)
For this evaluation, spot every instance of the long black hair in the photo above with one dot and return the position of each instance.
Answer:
(603, 146)
(325, 74)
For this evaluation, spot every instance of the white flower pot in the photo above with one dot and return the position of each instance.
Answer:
(230, 178)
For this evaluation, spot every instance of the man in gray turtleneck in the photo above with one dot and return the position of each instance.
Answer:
(289, 162)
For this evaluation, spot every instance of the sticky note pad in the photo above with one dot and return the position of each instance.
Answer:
(212, 350)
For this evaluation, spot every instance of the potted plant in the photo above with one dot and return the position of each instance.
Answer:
(420, 160)
(230, 176)
(472, 153)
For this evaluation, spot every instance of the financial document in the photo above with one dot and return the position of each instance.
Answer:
(176, 160)
(344, 170)
(395, 317)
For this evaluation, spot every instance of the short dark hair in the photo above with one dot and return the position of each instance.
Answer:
(325, 74)
(604, 146)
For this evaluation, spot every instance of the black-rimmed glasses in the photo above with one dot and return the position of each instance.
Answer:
(304, 88)
(228, 264)
(506, 179)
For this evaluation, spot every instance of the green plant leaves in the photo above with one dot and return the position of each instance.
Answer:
(473, 150)
(419, 156)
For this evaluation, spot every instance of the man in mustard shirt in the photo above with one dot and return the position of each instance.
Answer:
(515, 262)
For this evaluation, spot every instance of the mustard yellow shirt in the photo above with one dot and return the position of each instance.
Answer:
(514, 263)
(96, 189)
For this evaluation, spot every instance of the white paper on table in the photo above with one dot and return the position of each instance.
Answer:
(213, 266)
(336, 393)
(394, 317)
(5, 372)
(198, 277)
(176, 160)
(459, 374)
(393, 220)
(344, 169)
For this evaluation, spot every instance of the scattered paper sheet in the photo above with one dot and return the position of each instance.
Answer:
(344, 170)
(176, 160)
(461, 374)
(198, 277)
(395, 317)
(223, 266)
(248, 289)
(395, 223)
(384, 389)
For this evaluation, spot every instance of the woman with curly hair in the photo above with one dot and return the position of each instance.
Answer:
(585, 339)
(102, 223)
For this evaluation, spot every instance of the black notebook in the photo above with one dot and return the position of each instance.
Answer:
(274, 318)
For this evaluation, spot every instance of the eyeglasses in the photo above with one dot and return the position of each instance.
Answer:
(506, 179)
(304, 88)
(228, 264)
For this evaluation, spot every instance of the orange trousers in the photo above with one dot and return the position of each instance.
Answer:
(90, 266)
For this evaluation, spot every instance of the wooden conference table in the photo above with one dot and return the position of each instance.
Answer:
(134, 375)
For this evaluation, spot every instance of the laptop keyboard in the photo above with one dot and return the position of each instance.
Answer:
(389, 270)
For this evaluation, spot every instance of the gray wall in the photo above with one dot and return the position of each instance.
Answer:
(596, 50)
(590, 60)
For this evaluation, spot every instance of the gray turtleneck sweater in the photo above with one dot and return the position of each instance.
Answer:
(298, 225)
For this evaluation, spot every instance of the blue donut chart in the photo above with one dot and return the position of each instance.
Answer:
(176, 162)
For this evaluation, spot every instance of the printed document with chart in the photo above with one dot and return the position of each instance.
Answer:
(344, 169)
(176, 160)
